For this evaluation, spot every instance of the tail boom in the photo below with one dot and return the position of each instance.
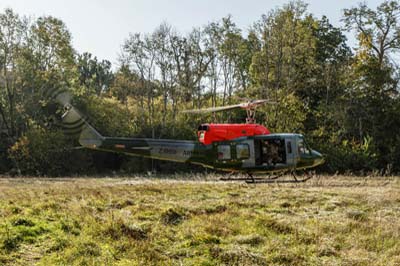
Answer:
(161, 149)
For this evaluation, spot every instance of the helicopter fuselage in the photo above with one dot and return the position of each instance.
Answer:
(270, 153)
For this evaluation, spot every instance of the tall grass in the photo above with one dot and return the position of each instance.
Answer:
(331, 220)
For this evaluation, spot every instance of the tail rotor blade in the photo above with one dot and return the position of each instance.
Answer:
(64, 98)
(73, 122)
(60, 95)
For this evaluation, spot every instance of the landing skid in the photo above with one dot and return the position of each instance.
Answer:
(250, 179)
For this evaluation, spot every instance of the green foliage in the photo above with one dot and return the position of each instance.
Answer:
(96, 76)
(287, 116)
(112, 118)
(287, 56)
(361, 158)
(42, 152)
(340, 101)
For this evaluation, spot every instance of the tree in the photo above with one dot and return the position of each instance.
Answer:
(96, 76)
(125, 85)
(165, 63)
(48, 63)
(12, 39)
(377, 30)
(372, 99)
(228, 51)
(286, 60)
(333, 59)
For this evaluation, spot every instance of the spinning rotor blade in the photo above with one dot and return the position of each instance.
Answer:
(212, 109)
(255, 103)
(61, 96)
(72, 121)
(64, 98)
(248, 106)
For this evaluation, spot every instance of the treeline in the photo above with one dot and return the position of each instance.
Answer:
(345, 102)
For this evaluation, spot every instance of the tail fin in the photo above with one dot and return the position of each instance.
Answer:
(73, 123)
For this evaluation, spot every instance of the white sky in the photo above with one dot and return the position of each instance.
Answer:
(101, 26)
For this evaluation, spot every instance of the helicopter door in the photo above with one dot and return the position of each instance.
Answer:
(258, 152)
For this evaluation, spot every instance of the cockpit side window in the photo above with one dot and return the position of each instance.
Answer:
(302, 146)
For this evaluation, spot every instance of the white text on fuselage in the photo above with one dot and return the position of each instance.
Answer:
(167, 151)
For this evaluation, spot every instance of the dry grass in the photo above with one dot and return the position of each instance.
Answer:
(177, 221)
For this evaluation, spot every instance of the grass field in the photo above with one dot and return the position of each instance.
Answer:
(176, 221)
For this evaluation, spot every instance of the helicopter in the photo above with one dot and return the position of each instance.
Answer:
(247, 148)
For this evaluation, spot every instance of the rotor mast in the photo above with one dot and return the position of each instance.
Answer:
(251, 116)
(251, 108)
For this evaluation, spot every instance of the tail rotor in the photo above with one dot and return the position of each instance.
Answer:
(73, 122)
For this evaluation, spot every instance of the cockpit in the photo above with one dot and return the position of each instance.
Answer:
(302, 146)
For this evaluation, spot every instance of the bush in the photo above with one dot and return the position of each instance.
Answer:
(43, 152)
(109, 117)
(4, 162)
(348, 156)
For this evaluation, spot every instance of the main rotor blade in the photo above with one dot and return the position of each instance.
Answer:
(212, 109)
(249, 105)
(258, 102)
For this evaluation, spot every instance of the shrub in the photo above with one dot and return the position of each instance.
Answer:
(43, 152)
(349, 155)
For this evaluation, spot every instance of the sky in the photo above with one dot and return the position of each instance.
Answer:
(101, 26)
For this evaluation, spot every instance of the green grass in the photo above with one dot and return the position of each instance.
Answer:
(121, 221)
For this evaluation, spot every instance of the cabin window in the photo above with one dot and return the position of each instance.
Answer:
(224, 152)
(242, 151)
(289, 147)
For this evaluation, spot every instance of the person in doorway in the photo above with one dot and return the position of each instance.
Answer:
(266, 151)
(275, 153)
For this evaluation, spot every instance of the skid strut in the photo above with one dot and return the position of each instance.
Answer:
(250, 179)
(273, 179)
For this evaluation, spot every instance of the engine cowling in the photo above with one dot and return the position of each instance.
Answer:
(209, 133)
